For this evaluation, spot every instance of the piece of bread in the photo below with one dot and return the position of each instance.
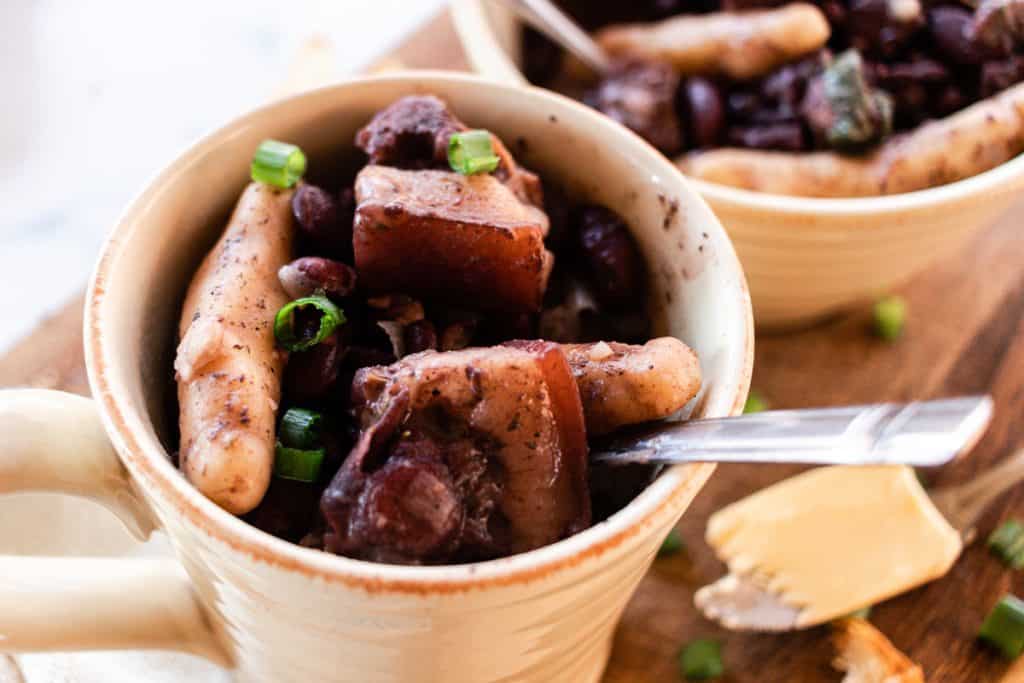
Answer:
(867, 656)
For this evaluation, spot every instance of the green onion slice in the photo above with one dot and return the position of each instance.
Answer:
(301, 428)
(298, 464)
(890, 314)
(1007, 543)
(1004, 627)
(472, 152)
(701, 659)
(672, 544)
(756, 403)
(278, 164)
(300, 340)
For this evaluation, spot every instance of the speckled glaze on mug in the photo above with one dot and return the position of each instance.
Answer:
(805, 258)
(273, 611)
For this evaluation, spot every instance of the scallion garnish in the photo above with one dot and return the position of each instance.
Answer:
(672, 544)
(298, 335)
(701, 659)
(298, 464)
(300, 428)
(1007, 543)
(890, 316)
(278, 164)
(755, 403)
(1004, 627)
(472, 151)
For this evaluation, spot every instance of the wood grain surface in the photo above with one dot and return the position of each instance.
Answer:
(965, 334)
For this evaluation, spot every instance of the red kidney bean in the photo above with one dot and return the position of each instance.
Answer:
(787, 137)
(391, 520)
(310, 375)
(787, 85)
(419, 336)
(304, 276)
(641, 96)
(324, 220)
(949, 28)
(705, 111)
(612, 258)
(874, 30)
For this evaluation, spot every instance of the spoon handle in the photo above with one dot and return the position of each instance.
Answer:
(924, 434)
(547, 18)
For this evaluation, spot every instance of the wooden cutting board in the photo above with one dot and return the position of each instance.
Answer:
(965, 334)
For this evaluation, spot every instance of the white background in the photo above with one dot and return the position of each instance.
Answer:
(99, 94)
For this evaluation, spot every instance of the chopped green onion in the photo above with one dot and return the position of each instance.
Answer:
(890, 315)
(472, 152)
(278, 164)
(297, 463)
(1007, 543)
(672, 544)
(756, 403)
(301, 428)
(862, 613)
(701, 659)
(299, 340)
(1004, 627)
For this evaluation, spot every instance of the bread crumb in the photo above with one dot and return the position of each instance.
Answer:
(867, 656)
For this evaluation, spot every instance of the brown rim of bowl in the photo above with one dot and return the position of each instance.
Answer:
(476, 35)
(146, 459)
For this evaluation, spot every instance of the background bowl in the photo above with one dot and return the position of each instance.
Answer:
(805, 258)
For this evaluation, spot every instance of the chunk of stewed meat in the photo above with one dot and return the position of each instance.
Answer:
(624, 384)
(310, 274)
(411, 133)
(448, 237)
(641, 95)
(414, 133)
(464, 455)
(324, 220)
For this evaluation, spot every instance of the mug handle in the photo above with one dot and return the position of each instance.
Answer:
(54, 441)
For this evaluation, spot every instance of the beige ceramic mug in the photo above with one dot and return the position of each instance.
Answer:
(273, 611)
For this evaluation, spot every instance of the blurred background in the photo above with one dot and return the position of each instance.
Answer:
(102, 93)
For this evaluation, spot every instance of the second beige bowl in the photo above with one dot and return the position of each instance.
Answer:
(804, 258)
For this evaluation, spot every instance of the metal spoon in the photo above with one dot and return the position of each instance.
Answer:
(547, 18)
(922, 434)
